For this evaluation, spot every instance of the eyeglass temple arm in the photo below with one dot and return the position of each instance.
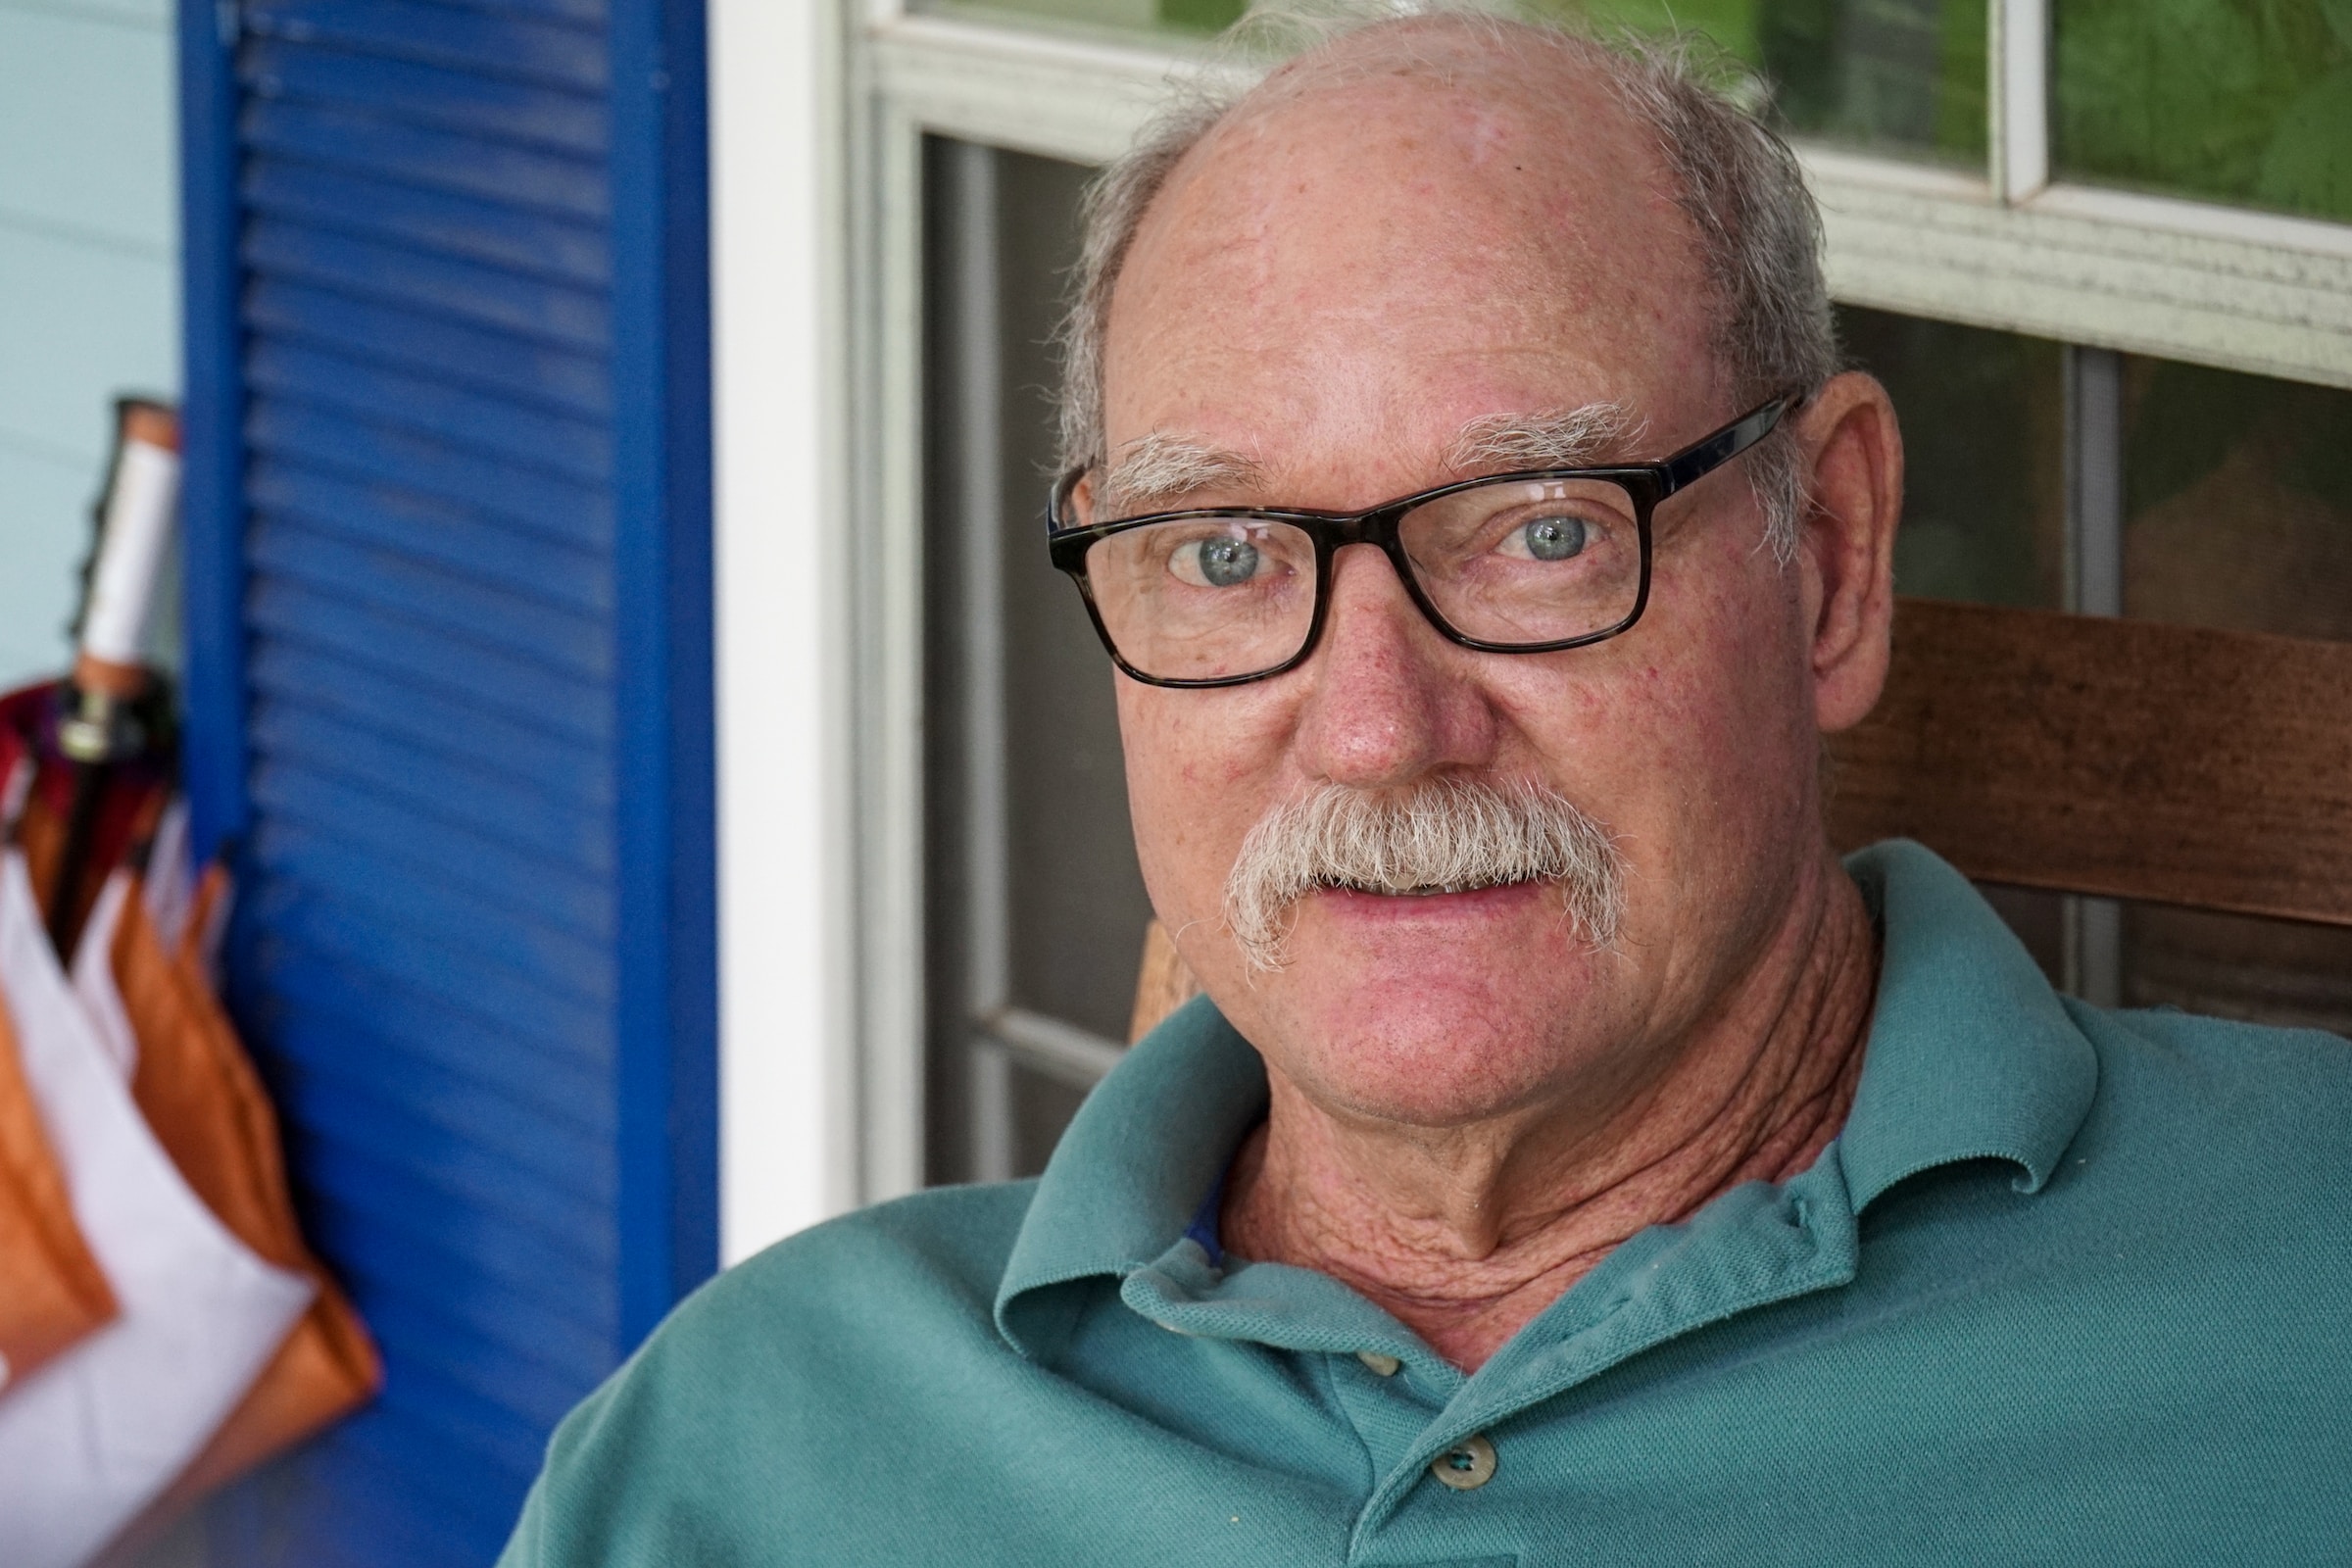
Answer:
(1694, 463)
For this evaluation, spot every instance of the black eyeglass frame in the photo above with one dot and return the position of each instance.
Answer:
(1648, 483)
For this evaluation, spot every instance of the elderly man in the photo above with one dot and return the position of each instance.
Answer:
(1569, 1161)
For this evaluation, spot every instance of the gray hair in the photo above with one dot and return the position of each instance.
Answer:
(1758, 231)
(1450, 835)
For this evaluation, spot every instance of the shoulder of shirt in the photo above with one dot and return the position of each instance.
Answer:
(2278, 1094)
(943, 1248)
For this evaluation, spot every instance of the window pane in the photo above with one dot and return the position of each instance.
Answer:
(1983, 418)
(1068, 932)
(2238, 497)
(1895, 76)
(2238, 515)
(2237, 100)
(1899, 75)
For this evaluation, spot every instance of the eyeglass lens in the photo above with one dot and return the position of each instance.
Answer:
(1516, 563)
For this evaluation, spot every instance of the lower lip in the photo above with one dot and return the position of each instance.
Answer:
(1350, 903)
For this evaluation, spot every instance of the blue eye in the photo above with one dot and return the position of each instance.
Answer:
(1220, 563)
(1554, 538)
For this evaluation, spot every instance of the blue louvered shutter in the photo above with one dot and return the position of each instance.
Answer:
(449, 699)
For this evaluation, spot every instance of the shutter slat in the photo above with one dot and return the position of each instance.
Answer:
(384, 1256)
(517, 884)
(488, 426)
(423, 529)
(397, 154)
(535, 1227)
(486, 1368)
(558, 510)
(551, 961)
(361, 1020)
(499, 682)
(464, 799)
(467, 293)
(550, 1151)
(501, 48)
(287, 675)
(350, 1505)
(431, 95)
(533, 373)
(496, 995)
(564, 643)
(526, 244)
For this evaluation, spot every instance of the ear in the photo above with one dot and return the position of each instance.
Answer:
(1852, 461)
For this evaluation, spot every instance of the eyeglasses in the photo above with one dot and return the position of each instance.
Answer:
(1511, 563)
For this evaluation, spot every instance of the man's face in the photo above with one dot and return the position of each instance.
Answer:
(1334, 287)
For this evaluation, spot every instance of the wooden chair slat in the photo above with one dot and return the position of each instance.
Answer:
(2113, 758)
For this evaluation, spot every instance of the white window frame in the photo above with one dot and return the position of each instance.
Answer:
(2110, 272)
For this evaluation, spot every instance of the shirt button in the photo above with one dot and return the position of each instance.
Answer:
(1381, 1365)
(1466, 1466)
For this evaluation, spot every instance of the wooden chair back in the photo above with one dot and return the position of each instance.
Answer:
(2120, 758)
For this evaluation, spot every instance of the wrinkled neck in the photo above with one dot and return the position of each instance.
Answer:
(1465, 1234)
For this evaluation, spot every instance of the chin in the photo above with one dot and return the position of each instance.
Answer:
(1434, 1011)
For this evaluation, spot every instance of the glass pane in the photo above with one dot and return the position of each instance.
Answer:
(2238, 496)
(1897, 75)
(1984, 445)
(1900, 75)
(2238, 500)
(2237, 100)
(1983, 418)
(1069, 932)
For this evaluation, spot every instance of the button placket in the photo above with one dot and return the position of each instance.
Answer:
(1466, 1465)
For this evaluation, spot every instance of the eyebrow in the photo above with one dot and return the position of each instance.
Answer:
(1558, 438)
(1153, 471)
(1157, 469)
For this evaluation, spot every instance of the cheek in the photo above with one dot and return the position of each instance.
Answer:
(1203, 767)
(1690, 737)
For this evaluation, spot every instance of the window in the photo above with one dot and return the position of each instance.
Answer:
(2122, 385)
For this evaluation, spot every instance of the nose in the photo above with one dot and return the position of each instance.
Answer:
(1391, 702)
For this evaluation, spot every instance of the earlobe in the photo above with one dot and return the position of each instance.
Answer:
(1854, 502)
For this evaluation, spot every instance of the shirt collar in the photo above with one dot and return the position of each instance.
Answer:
(1972, 1056)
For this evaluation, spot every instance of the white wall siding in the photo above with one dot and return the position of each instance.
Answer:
(89, 293)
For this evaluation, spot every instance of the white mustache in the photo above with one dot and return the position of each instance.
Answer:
(1448, 836)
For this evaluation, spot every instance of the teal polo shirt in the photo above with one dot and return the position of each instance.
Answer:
(2071, 1286)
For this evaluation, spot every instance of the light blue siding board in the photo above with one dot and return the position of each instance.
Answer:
(537, 375)
(89, 141)
(429, 95)
(80, 323)
(44, 531)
